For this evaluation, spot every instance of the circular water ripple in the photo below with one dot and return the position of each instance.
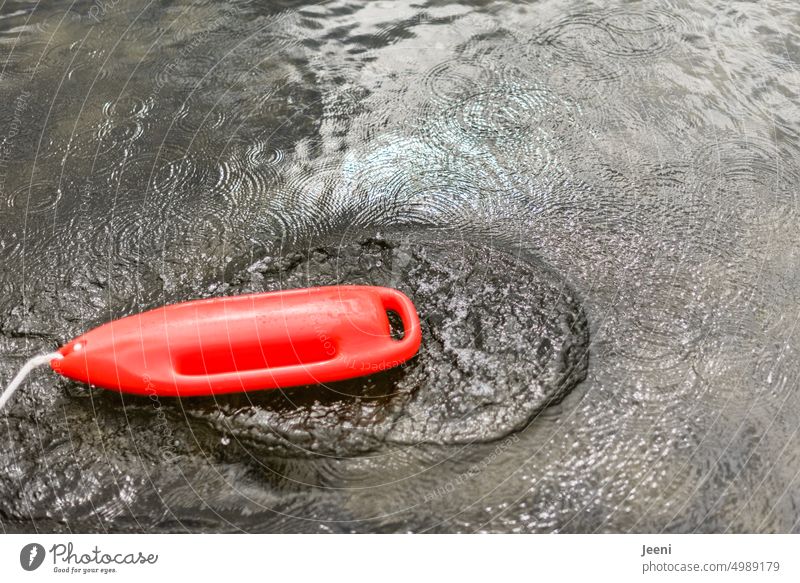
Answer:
(193, 120)
(40, 57)
(189, 70)
(318, 193)
(619, 33)
(731, 161)
(197, 129)
(126, 107)
(670, 324)
(181, 176)
(121, 237)
(130, 172)
(589, 55)
(77, 143)
(512, 114)
(38, 197)
(517, 126)
(455, 79)
(639, 34)
(117, 135)
(494, 150)
(732, 174)
(246, 178)
(11, 241)
(87, 74)
(15, 63)
(481, 374)
(260, 153)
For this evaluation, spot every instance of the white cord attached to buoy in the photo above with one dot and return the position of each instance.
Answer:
(32, 364)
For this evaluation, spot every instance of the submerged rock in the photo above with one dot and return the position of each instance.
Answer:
(503, 337)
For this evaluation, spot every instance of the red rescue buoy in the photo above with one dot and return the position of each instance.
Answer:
(245, 343)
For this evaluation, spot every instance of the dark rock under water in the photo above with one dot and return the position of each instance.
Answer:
(502, 338)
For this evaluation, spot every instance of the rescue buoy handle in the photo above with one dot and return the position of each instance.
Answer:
(398, 302)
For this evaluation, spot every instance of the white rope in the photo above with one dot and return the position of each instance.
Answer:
(33, 363)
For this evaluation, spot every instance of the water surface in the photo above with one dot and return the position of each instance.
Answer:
(636, 161)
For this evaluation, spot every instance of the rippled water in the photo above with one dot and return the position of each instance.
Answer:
(523, 169)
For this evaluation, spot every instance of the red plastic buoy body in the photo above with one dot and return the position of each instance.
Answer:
(244, 343)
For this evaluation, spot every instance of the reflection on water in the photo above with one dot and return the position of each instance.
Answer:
(639, 157)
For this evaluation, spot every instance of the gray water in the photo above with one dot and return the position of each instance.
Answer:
(593, 205)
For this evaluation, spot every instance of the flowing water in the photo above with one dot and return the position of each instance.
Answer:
(593, 205)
